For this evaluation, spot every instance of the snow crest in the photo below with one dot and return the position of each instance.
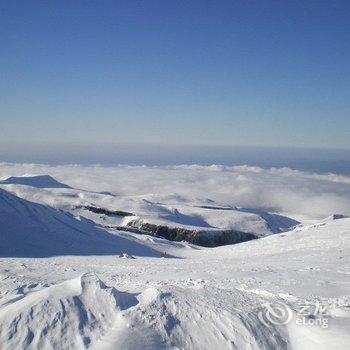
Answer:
(73, 313)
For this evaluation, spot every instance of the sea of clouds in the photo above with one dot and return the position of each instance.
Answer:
(295, 193)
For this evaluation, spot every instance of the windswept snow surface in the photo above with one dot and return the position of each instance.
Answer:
(71, 280)
(209, 299)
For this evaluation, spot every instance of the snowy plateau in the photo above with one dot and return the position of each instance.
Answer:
(177, 257)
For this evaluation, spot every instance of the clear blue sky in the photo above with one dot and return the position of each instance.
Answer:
(270, 73)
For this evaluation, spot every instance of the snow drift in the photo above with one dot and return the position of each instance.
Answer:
(70, 314)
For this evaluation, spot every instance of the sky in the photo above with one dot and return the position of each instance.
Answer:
(214, 73)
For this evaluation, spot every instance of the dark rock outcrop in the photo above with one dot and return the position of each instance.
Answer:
(205, 238)
(107, 212)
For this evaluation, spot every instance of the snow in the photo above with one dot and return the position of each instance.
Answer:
(68, 282)
(202, 215)
(33, 230)
(39, 181)
(75, 311)
(208, 299)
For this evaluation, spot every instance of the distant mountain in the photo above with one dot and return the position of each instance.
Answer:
(39, 181)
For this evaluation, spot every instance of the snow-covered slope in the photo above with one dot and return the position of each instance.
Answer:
(33, 230)
(211, 299)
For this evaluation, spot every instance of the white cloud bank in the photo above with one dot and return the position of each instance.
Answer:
(295, 193)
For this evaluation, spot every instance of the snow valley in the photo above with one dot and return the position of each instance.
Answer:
(187, 257)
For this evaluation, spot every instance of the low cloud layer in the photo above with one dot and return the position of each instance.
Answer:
(296, 193)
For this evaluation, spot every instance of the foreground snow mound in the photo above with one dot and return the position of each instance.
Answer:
(70, 315)
(84, 313)
(39, 181)
(195, 317)
(33, 230)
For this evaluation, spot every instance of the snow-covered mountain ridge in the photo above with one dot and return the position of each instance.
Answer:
(195, 222)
